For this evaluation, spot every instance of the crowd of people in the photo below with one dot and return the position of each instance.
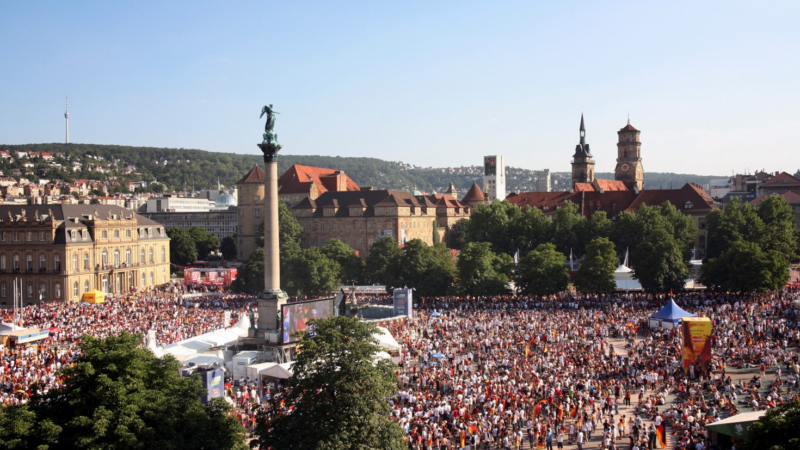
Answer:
(173, 315)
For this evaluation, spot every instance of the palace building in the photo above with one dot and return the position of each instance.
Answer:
(58, 252)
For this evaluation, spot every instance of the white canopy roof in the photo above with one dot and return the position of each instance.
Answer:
(386, 340)
(281, 371)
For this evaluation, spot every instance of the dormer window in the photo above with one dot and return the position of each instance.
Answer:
(72, 235)
(688, 205)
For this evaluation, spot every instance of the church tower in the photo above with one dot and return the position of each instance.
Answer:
(629, 168)
(582, 161)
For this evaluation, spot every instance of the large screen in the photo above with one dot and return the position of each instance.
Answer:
(295, 317)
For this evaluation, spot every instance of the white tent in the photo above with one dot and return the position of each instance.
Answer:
(386, 340)
(254, 370)
(281, 371)
(623, 277)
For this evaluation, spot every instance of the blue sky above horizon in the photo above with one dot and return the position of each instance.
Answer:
(712, 85)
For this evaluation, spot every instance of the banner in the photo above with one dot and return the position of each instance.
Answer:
(696, 349)
(403, 305)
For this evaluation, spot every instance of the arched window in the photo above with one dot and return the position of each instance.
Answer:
(141, 258)
(57, 265)
(57, 289)
(152, 279)
(163, 254)
(29, 262)
(75, 262)
(144, 280)
(625, 154)
(86, 286)
(130, 279)
(3, 289)
(116, 258)
(75, 290)
(151, 256)
(42, 262)
(128, 257)
(86, 261)
(42, 289)
(16, 262)
(30, 290)
(104, 257)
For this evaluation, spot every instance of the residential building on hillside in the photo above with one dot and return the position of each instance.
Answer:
(169, 203)
(360, 218)
(62, 251)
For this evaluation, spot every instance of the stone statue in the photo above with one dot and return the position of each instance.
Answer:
(96, 215)
(10, 217)
(50, 214)
(36, 216)
(109, 215)
(24, 213)
(270, 145)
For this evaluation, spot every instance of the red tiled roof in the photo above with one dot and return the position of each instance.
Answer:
(780, 179)
(628, 127)
(689, 193)
(539, 199)
(610, 185)
(256, 175)
(474, 194)
(580, 187)
(793, 197)
(298, 179)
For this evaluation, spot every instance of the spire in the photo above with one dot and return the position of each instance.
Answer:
(629, 117)
(583, 131)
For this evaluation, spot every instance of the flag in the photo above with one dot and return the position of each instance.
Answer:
(574, 411)
(571, 266)
(516, 257)
(527, 351)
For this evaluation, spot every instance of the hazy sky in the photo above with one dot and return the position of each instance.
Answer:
(712, 85)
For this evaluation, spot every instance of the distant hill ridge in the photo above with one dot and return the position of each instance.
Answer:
(200, 169)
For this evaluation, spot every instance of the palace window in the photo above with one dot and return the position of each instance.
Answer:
(141, 257)
(3, 290)
(16, 236)
(75, 289)
(85, 286)
(104, 258)
(257, 212)
(16, 262)
(127, 234)
(116, 258)
(57, 264)
(28, 236)
(85, 261)
(30, 290)
(104, 234)
(2, 236)
(116, 234)
(128, 257)
(57, 289)
(41, 236)
(151, 256)
(75, 262)
(3, 262)
(29, 263)
(163, 254)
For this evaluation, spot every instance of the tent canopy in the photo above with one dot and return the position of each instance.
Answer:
(736, 426)
(282, 371)
(386, 340)
(671, 311)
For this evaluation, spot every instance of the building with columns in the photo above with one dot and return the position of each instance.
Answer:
(62, 251)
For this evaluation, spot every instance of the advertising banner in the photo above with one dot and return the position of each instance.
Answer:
(696, 351)
(403, 305)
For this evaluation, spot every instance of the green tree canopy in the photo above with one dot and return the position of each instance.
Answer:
(480, 271)
(205, 241)
(596, 273)
(428, 269)
(660, 264)
(119, 396)
(352, 265)
(338, 393)
(738, 221)
(250, 276)
(565, 227)
(384, 255)
(458, 236)
(490, 223)
(745, 267)
(542, 271)
(528, 229)
(314, 273)
(182, 250)
(780, 229)
(775, 430)
(228, 247)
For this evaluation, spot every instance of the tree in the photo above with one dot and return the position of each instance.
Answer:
(566, 223)
(428, 269)
(626, 232)
(775, 430)
(182, 250)
(736, 222)
(597, 226)
(119, 396)
(228, 247)
(489, 223)
(660, 264)
(780, 229)
(436, 237)
(352, 265)
(542, 271)
(596, 273)
(746, 268)
(338, 393)
(384, 255)
(250, 276)
(458, 236)
(314, 273)
(478, 272)
(205, 241)
(528, 229)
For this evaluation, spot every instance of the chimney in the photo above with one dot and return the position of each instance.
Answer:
(636, 189)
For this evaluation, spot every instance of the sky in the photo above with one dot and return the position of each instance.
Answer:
(712, 85)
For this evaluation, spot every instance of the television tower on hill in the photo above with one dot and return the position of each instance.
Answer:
(66, 116)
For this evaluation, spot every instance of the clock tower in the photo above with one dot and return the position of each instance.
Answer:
(582, 161)
(629, 168)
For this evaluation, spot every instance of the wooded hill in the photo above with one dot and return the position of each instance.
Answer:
(178, 168)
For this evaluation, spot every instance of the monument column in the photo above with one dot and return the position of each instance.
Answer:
(272, 298)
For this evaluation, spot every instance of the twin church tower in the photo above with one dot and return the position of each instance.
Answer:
(629, 168)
